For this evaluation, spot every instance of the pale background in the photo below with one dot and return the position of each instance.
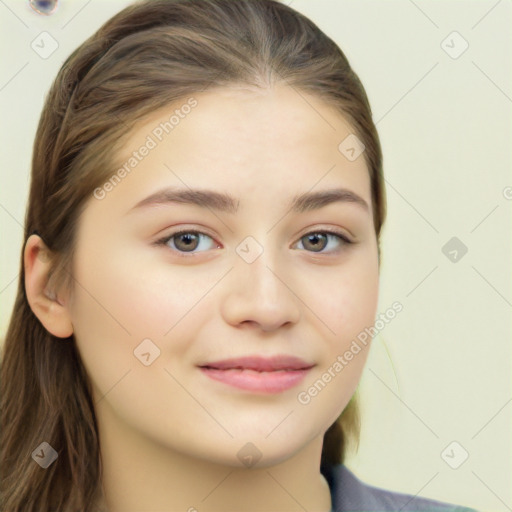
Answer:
(440, 371)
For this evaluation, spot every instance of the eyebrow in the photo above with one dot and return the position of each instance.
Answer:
(223, 202)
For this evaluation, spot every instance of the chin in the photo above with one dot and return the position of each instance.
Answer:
(253, 452)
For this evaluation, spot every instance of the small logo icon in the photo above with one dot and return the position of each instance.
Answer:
(44, 455)
(249, 249)
(454, 249)
(44, 45)
(454, 45)
(249, 455)
(351, 147)
(146, 352)
(454, 455)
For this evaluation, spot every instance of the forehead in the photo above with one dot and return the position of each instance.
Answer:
(278, 118)
(256, 142)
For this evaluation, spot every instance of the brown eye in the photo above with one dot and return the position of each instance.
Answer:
(317, 241)
(186, 241)
(183, 242)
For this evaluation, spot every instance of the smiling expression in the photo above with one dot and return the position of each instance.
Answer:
(277, 256)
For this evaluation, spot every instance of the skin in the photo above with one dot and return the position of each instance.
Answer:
(170, 435)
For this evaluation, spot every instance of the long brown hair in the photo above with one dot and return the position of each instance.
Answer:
(149, 55)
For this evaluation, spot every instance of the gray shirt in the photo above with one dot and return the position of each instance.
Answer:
(349, 494)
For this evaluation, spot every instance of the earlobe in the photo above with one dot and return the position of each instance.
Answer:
(45, 303)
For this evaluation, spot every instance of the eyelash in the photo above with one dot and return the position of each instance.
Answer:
(164, 241)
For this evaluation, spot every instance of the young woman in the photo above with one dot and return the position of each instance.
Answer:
(202, 251)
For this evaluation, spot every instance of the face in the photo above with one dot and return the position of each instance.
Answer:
(154, 312)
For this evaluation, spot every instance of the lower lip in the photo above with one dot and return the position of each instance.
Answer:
(261, 382)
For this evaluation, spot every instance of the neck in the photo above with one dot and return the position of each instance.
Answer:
(139, 474)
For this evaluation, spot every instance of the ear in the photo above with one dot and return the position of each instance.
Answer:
(50, 311)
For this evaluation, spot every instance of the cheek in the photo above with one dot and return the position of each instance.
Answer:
(124, 301)
(133, 293)
(345, 303)
(344, 299)
(118, 304)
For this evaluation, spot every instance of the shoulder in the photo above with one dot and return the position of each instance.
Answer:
(349, 494)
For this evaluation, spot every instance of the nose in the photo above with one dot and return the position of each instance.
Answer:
(260, 295)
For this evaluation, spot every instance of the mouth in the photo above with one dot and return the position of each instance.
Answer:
(259, 374)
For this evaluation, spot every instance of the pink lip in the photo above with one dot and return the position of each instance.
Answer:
(259, 374)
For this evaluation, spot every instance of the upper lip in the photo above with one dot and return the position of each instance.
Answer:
(261, 364)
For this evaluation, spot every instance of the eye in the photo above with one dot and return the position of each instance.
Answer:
(185, 241)
(318, 240)
(188, 241)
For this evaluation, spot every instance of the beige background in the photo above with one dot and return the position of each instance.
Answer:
(440, 371)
